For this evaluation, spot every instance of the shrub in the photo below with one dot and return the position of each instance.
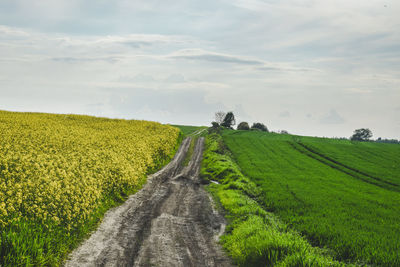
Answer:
(243, 126)
(260, 126)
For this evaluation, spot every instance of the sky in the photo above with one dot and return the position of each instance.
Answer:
(317, 68)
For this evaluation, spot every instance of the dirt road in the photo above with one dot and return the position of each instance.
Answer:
(170, 222)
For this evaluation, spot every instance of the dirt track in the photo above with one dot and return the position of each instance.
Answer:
(170, 222)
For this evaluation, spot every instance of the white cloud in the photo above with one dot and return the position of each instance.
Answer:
(200, 54)
(358, 91)
(260, 58)
(215, 57)
(10, 32)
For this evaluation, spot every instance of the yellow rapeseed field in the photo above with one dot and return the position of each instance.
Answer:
(59, 168)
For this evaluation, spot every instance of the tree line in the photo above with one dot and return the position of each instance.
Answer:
(227, 120)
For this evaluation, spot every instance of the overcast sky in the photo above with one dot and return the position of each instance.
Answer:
(319, 68)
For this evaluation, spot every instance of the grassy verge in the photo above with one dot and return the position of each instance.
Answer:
(254, 236)
(190, 151)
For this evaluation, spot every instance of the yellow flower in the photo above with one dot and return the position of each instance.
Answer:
(58, 167)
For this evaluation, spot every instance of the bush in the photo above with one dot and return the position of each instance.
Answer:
(215, 128)
(243, 126)
(215, 124)
(260, 126)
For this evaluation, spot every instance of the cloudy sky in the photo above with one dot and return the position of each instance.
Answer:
(320, 68)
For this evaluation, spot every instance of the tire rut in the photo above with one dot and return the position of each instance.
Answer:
(169, 222)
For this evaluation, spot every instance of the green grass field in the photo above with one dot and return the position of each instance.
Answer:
(191, 130)
(341, 195)
(254, 236)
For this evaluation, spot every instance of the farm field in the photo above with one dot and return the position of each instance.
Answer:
(60, 173)
(339, 194)
(377, 162)
(190, 130)
(254, 236)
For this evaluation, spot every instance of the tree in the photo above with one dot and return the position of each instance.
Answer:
(229, 120)
(363, 134)
(219, 117)
(243, 126)
(215, 128)
(259, 126)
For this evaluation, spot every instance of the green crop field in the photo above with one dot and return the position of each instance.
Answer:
(339, 194)
(188, 130)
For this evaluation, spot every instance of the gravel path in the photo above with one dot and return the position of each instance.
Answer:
(170, 222)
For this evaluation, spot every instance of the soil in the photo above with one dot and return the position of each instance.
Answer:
(171, 221)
